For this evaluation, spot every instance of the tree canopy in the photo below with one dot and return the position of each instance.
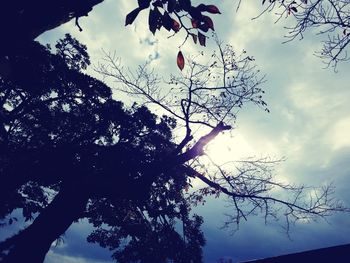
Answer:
(68, 134)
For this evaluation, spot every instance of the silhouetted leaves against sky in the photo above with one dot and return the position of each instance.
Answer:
(132, 16)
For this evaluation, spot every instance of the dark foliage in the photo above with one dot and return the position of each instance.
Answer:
(63, 134)
(68, 150)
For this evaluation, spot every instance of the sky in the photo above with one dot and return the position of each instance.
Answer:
(308, 123)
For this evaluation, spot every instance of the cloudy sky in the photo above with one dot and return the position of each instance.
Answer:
(309, 123)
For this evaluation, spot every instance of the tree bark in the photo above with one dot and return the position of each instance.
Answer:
(32, 244)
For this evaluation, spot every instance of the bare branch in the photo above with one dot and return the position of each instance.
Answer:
(327, 17)
(210, 94)
(252, 189)
(207, 94)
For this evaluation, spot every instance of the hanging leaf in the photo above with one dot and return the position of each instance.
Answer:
(167, 21)
(194, 37)
(154, 20)
(180, 60)
(194, 23)
(171, 5)
(158, 3)
(201, 7)
(130, 18)
(177, 7)
(195, 12)
(143, 4)
(207, 20)
(204, 27)
(185, 4)
(176, 26)
(201, 39)
(212, 9)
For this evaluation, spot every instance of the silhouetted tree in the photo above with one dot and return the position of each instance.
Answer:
(144, 231)
(63, 133)
(39, 91)
(206, 98)
(22, 21)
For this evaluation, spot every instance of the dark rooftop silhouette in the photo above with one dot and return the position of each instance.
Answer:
(330, 254)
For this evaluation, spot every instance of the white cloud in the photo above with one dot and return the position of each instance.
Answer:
(53, 257)
(228, 147)
(309, 121)
(339, 134)
(306, 98)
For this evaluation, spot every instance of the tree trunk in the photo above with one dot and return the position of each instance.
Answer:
(23, 20)
(32, 244)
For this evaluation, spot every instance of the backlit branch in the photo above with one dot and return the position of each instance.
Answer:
(252, 189)
(208, 94)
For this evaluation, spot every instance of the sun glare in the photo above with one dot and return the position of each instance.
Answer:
(225, 148)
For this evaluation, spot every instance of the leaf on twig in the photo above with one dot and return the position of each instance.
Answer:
(180, 60)
(154, 20)
(130, 18)
(194, 37)
(176, 26)
(194, 23)
(207, 20)
(212, 9)
(167, 21)
(201, 39)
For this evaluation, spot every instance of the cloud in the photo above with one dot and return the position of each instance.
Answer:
(308, 123)
(53, 257)
(75, 248)
(339, 134)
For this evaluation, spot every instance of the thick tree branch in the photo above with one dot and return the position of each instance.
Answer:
(198, 148)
